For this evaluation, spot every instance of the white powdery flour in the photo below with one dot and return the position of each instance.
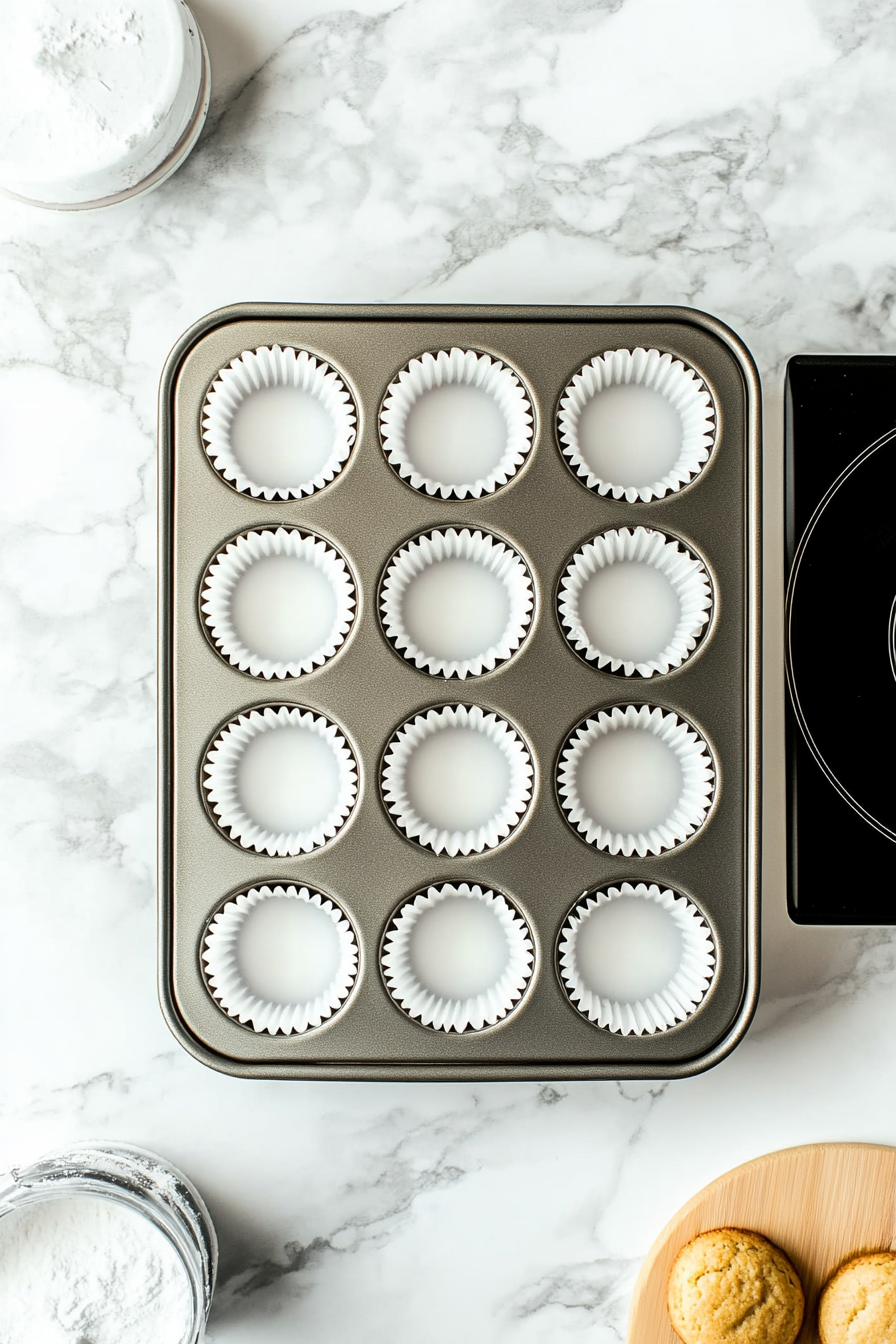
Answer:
(94, 95)
(85, 1270)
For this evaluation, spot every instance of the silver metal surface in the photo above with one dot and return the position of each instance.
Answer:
(545, 690)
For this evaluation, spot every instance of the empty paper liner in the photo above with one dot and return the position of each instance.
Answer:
(636, 424)
(278, 602)
(457, 957)
(457, 779)
(634, 602)
(280, 780)
(636, 958)
(280, 958)
(456, 603)
(456, 424)
(278, 423)
(636, 779)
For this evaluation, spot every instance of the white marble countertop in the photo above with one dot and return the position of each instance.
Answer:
(736, 158)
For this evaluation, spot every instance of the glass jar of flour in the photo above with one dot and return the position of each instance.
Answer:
(107, 1243)
(101, 101)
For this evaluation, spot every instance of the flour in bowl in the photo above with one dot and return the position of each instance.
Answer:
(95, 96)
(87, 1270)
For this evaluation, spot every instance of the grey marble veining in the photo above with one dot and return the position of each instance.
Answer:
(737, 158)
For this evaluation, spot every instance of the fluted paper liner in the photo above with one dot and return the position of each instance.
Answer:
(643, 545)
(475, 370)
(233, 995)
(496, 557)
(220, 775)
(423, 1003)
(698, 780)
(475, 720)
(677, 1000)
(274, 366)
(231, 563)
(681, 385)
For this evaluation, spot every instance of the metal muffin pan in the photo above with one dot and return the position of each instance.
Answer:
(544, 689)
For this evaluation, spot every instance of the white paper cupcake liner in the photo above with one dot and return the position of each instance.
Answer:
(496, 557)
(475, 370)
(686, 574)
(677, 1000)
(220, 958)
(697, 787)
(432, 1009)
(273, 366)
(684, 389)
(220, 781)
(423, 830)
(229, 566)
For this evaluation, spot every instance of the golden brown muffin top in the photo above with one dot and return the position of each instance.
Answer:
(858, 1305)
(730, 1286)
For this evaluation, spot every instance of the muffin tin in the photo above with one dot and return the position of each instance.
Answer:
(539, 701)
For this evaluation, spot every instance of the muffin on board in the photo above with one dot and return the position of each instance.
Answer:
(858, 1304)
(730, 1286)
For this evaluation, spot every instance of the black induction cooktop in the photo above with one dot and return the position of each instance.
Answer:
(840, 453)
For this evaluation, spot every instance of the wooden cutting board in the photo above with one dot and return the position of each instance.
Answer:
(822, 1204)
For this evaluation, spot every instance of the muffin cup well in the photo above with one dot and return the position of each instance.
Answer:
(670, 1003)
(494, 557)
(464, 368)
(687, 577)
(491, 830)
(423, 1002)
(679, 384)
(220, 776)
(226, 982)
(268, 367)
(230, 565)
(698, 780)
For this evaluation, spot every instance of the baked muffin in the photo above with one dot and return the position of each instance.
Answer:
(729, 1286)
(858, 1305)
